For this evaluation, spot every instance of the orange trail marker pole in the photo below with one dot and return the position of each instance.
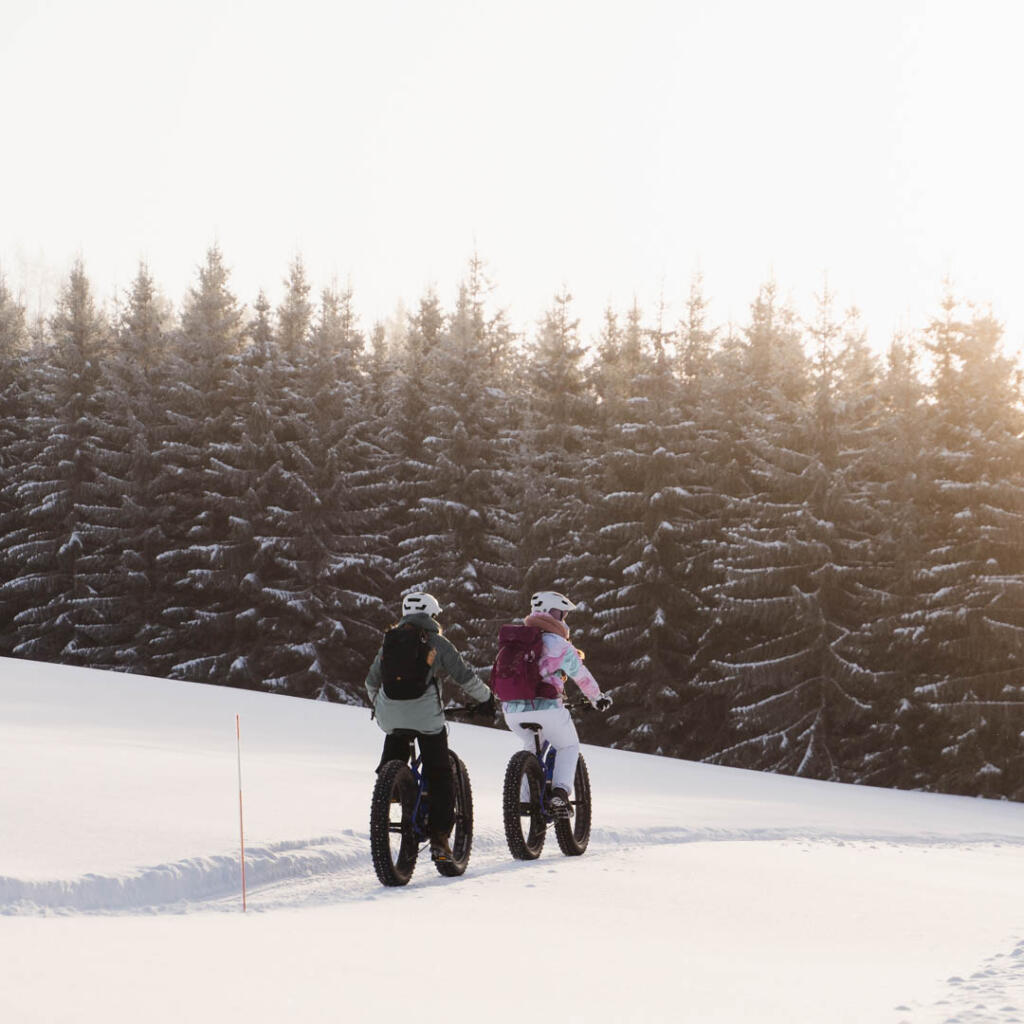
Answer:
(241, 828)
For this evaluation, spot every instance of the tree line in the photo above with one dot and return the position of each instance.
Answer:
(790, 554)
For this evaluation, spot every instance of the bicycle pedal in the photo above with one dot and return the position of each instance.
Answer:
(441, 853)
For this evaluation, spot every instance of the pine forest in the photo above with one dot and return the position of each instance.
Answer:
(791, 551)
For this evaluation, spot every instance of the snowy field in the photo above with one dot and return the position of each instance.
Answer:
(708, 894)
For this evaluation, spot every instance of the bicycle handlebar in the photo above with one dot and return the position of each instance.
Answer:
(580, 702)
(470, 711)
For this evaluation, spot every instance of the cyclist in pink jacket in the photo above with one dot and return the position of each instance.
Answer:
(559, 662)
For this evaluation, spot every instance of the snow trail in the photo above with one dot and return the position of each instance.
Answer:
(339, 868)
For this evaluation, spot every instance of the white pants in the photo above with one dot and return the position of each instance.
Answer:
(558, 728)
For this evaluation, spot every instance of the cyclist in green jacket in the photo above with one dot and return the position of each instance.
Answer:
(424, 715)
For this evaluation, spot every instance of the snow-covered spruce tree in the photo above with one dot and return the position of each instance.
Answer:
(720, 401)
(716, 482)
(858, 584)
(962, 637)
(775, 660)
(461, 537)
(341, 545)
(408, 397)
(608, 379)
(254, 477)
(475, 330)
(406, 434)
(123, 523)
(197, 589)
(16, 445)
(697, 341)
(557, 474)
(53, 594)
(645, 611)
(848, 588)
(295, 314)
(382, 345)
(903, 735)
(602, 374)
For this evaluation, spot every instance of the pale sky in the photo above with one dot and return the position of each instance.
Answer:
(615, 148)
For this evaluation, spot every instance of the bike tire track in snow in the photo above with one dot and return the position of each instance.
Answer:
(338, 868)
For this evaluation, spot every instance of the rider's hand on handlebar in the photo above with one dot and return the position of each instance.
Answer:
(603, 703)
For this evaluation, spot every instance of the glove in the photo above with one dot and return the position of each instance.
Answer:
(603, 703)
(485, 709)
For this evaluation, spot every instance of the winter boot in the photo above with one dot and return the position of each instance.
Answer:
(559, 803)
(439, 848)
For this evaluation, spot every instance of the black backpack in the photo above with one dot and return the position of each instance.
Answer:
(405, 660)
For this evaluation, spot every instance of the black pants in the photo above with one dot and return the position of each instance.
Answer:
(436, 770)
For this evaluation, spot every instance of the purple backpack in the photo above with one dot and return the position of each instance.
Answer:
(516, 671)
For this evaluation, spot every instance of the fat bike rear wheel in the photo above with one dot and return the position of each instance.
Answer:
(393, 839)
(573, 833)
(525, 827)
(462, 833)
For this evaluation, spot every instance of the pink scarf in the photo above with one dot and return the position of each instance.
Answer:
(548, 623)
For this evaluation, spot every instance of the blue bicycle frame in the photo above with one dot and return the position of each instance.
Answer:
(546, 755)
(418, 819)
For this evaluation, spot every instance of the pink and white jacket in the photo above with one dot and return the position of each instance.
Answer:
(560, 658)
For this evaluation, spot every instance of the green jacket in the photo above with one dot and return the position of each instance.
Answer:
(424, 714)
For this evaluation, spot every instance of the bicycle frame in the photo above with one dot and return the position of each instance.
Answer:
(546, 756)
(420, 811)
(418, 819)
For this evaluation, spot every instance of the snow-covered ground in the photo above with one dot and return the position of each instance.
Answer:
(708, 894)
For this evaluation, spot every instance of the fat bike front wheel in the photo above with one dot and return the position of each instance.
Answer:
(462, 833)
(525, 827)
(393, 841)
(573, 833)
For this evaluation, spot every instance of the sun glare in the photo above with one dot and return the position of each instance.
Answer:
(570, 144)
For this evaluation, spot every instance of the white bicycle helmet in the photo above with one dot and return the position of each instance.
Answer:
(418, 601)
(551, 601)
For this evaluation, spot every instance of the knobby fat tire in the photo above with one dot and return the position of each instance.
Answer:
(462, 833)
(396, 778)
(528, 845)
(573, 833)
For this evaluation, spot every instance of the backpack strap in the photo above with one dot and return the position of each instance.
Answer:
(431, 658)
